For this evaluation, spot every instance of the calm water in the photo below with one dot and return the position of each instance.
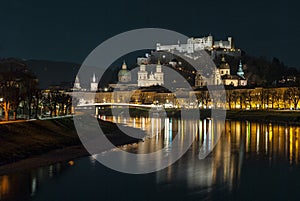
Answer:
(252, 161)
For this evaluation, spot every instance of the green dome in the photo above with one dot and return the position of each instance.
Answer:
(123, 72)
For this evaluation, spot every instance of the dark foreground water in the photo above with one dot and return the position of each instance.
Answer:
(252, 161)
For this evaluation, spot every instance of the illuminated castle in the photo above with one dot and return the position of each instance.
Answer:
(195, 44)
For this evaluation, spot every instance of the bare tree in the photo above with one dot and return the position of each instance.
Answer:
(293, 94)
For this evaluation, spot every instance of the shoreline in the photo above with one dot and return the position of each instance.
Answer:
(51, 157)
(268, 116)
(66, 147)
(72, 148)
(291, 117)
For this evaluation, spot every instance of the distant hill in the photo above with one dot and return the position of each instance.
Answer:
(52, 72)
(260, 70)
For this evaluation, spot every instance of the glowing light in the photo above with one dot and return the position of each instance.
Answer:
(4, 185)
(291, 144)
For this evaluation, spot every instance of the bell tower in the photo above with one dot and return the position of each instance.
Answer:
(94, 83)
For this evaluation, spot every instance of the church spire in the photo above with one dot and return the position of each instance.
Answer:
(94, 78)
(77, 79)
(77, 83)
(124, 66)
(240, 70)
(158, 67)
(223, 59)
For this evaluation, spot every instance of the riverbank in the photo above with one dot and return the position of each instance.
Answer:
(278, 116)
(43, 142)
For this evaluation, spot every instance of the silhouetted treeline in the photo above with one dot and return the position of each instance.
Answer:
(260, 70)
(21, 97)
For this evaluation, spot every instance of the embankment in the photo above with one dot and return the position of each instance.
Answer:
(29, 139)
(289, 117)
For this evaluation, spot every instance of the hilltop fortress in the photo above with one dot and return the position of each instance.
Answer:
(205, 43)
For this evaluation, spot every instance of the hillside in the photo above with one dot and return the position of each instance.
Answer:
(53, 73)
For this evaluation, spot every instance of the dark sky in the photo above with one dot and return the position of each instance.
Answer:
(68, 31)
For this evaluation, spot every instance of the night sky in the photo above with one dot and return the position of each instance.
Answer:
(68, 31)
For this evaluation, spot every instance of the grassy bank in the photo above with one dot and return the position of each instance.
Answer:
(32, 138)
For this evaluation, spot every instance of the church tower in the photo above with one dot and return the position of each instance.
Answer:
(199, 80)
(77, 83)
(216, 77)
(224, 68)
(240, 71)
(94, 83)
(142, 76)
(159, 75)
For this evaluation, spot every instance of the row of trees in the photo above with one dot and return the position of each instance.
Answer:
(264, 98)
(233, 98)
(256, 98)
(20, 95)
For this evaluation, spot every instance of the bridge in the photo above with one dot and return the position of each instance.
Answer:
(90, 106)
(119, 104)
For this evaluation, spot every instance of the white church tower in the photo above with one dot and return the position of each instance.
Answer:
(77, 84)
(94, 83)
(142, 76)
(159, 75)
(156, 78)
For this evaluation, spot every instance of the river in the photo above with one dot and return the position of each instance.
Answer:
(252, 161)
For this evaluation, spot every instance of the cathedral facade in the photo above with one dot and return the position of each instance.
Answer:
(148, 79)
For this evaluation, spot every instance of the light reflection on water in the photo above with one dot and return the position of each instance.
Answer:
(226, 171)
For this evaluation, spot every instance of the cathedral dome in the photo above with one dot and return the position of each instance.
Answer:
(224, 64)
(123, 72)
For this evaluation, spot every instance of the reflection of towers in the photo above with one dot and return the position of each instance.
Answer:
(94, 83)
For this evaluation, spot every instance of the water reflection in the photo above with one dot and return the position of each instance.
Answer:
(222, 169)
(24, 184)
(263, 141)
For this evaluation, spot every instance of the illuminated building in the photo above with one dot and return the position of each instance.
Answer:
(146, 79)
